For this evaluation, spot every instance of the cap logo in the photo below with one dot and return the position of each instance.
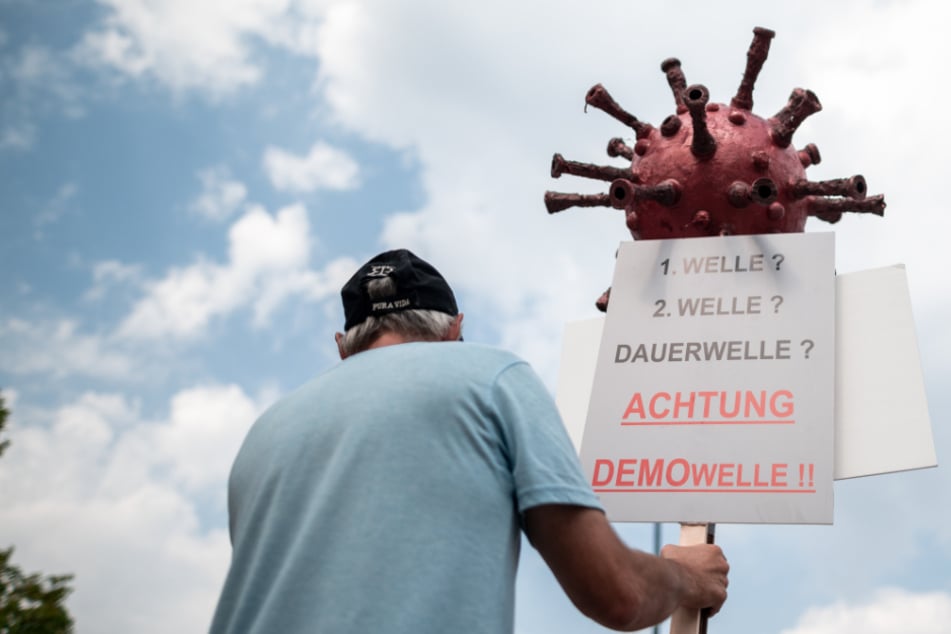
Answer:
(380, 270)
(393, 305)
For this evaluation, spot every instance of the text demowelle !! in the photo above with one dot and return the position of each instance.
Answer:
(685, 351)
(681, 475)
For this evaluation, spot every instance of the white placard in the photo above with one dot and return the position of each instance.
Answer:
(714, 387)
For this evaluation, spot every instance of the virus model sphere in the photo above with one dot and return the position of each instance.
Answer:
(714, 169)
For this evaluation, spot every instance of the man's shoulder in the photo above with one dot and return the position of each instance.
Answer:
(436, 362)
(476, 354)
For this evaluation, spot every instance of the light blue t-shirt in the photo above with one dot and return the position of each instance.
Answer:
(385, 495)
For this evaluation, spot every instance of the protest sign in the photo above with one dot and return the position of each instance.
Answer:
(712, 398)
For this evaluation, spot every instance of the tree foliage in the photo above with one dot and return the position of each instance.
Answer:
(30, 604)
(3, 421)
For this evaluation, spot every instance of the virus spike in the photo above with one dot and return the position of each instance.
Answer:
(617, 147)
(703, 145)
(599, 97)
(826, 208)
(671, 125)
(676, 80)
(557, 201)
(624, 193)
(560, 166)
(763, 191)
(854, 187)
(759, 50)
(809, 155)
(784, 123)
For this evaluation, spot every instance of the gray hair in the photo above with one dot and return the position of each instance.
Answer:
(412, 325)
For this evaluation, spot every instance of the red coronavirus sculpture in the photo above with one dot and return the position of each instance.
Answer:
(714, 169)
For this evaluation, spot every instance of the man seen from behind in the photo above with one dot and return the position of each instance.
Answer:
(388, 494)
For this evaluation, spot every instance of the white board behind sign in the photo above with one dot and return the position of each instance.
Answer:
(882, 422)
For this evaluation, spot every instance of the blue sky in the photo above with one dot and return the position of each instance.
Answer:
(185, 185)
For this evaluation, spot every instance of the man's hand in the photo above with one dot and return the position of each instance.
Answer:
(705, 574)
(619, 587)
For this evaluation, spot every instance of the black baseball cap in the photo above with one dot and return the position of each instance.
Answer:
(418, 286)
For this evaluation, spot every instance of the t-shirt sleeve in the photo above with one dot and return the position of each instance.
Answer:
(545, 468)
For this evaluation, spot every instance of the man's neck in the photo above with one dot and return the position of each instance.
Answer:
(387, 339)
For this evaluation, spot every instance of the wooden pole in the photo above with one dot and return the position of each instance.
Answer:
(657, 532)
(686, 621)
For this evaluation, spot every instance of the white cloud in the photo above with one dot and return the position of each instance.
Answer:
(205, 429)
(110, 498)
(890, 610)
(59, 349)
(40, 71)
(268, 262)
(109, 274)
(35, 64)
(885, 133)
(221, 195)
(206, 47)
(323, 167)
(36, 80)
(55, 208)
(18, 136)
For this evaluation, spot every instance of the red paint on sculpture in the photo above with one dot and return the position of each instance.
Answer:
(714, 169)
